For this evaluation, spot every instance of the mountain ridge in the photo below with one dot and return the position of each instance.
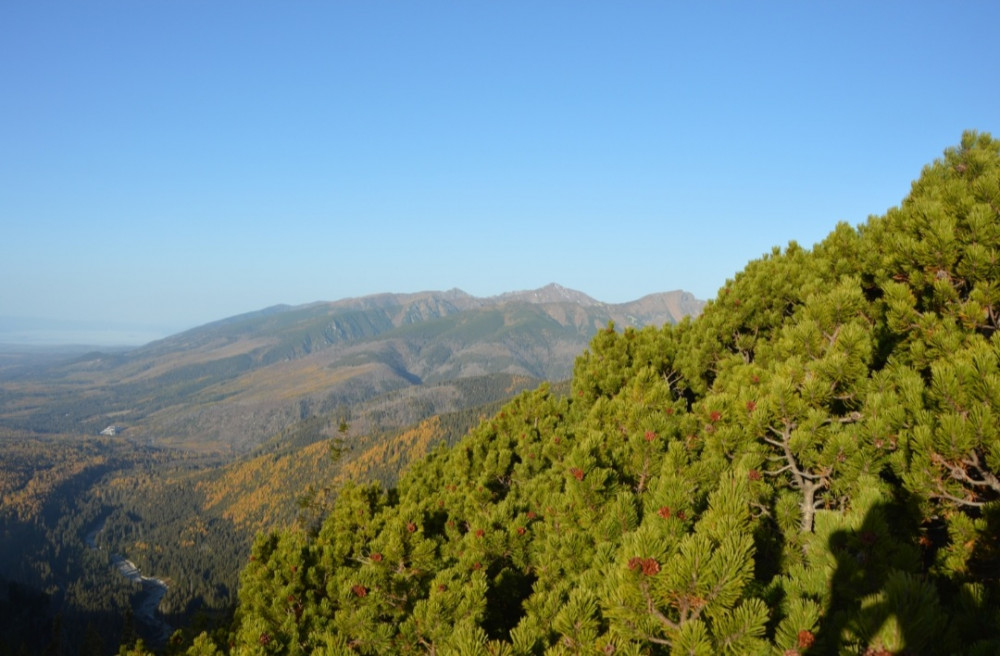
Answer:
(678, 302)
(234, 382)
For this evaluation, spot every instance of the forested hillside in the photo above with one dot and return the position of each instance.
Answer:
(229, 429)
(810, 467)
(70, 501)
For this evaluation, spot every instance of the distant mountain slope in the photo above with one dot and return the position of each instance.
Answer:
(233, 383)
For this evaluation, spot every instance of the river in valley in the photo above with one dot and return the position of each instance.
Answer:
(145, 604)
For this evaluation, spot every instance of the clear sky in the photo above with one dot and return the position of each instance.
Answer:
(170, 163)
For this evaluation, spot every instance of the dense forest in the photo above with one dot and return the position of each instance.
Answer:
(71, 504)
(56, 595)
(810, 467)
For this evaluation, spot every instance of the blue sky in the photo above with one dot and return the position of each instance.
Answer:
(166, 164)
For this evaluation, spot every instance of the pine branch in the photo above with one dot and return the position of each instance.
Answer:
(655, 612)
(941, 494)
(671, 379)
(645, 636)
(831, 339)
(804, 481)
(993, 317)
(641, 486)
(989, 479)
(851, 418)
(960, 472)
(429, 646)
(799, 475)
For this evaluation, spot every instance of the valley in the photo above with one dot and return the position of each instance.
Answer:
(246, 425)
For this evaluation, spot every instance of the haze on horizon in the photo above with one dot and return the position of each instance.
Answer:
(170, 164)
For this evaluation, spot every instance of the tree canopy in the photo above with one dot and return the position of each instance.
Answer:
(812, 466)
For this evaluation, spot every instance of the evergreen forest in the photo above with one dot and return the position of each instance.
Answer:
(812, 466)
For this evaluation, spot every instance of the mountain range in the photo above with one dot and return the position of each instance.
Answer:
(229, 385)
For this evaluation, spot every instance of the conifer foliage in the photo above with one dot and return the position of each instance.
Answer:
(810, 467)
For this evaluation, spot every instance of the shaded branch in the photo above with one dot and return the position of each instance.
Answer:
(960, 471)
(989, 479)
(941, 494)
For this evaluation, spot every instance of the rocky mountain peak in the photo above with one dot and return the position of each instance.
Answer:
(550, 293)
